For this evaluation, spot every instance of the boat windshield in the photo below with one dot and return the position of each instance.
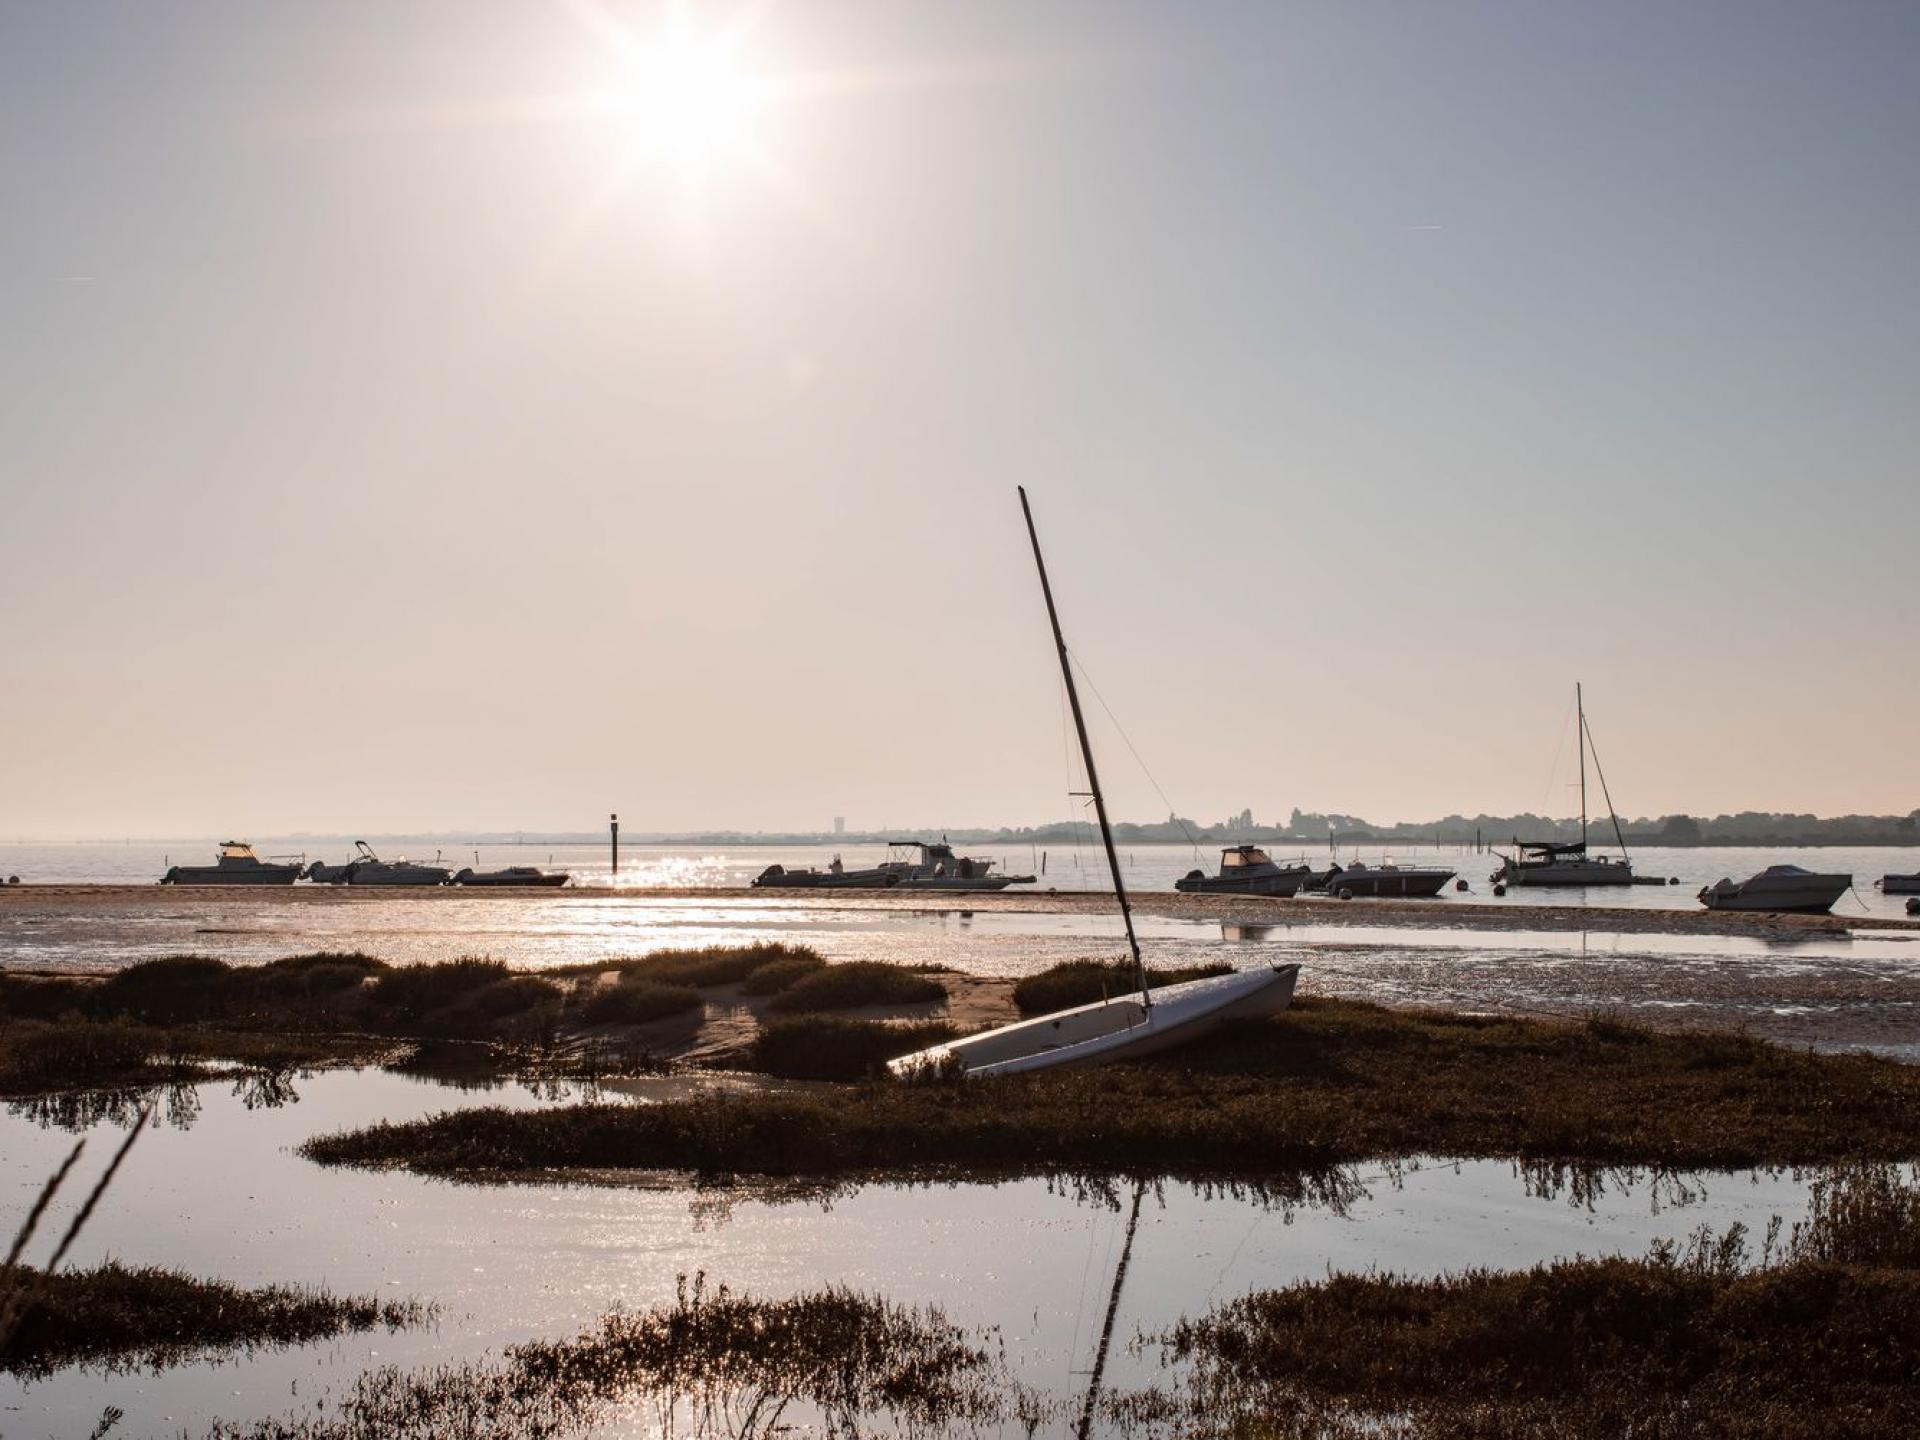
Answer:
(1245, 855)
(235, 850)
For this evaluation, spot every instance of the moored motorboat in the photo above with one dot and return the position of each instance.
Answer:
(835, 876)
(1245, 870)
(1900, 884)
(936, 867)
(1115, 1028)
(527, 877)
(370, 869)
(235, 864)
(1349, 882)
(1786, 888)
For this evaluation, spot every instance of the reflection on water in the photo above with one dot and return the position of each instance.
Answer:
(229, 1198)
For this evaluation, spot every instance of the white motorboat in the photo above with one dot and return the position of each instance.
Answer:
(1415, 882)
(235, 864)
(1117, 1028)
(835, 877)
(1547, 862)
(370, 869)
(934, 866)
(1778, 887)
(514, 877)
(1245, 870)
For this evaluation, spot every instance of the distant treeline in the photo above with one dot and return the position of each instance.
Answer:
(1311, 828)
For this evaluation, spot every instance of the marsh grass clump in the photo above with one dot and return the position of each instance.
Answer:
(778, 975)
(818, 1047)
(632, 1001)
(132, 1317)
(406, 996)
(1327, 1083)
(705, 968)
(710, 1364)
(1083, 982)
(1715, 1345)
(856, 983)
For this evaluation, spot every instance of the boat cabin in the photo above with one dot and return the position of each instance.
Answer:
(237, 853)
(1237, 857)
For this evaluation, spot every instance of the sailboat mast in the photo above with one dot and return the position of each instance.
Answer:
(1086, 754)
(1580, 710)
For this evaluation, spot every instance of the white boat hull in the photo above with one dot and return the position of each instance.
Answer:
(1799, 892)
(1117, 1029)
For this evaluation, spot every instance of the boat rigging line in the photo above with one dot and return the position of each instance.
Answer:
(1086, 753)
(1586, 737)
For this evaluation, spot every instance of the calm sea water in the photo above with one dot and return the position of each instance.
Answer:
(1146, 867)
(222, 1193)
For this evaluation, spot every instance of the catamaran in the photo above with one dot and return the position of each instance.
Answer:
(1548, 862)
(1122, 1027)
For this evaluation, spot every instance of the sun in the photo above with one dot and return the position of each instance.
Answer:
(685, 97)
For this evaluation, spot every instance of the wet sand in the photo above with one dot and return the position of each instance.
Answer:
(1443, 912)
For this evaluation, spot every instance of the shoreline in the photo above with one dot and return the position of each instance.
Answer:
(1441, 912)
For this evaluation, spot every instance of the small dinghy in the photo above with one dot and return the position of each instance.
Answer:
(1124, 1027)
(1900, 884)
(525, 877)
(1245, 870)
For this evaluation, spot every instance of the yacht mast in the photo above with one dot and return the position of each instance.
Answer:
(1086, 753)
(1580, 709)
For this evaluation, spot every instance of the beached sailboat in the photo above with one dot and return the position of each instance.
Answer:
(1548, 862)
(1115, 1029)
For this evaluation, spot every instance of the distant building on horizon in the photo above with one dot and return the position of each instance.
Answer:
(839, 824)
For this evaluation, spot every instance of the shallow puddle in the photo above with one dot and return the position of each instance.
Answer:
(221, 1193)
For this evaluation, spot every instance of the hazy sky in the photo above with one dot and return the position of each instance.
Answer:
(440, 415)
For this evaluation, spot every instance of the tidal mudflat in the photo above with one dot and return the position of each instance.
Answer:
(525, 1150)
(1823, 980)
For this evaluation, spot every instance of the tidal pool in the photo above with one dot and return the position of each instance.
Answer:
(217, 1190)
